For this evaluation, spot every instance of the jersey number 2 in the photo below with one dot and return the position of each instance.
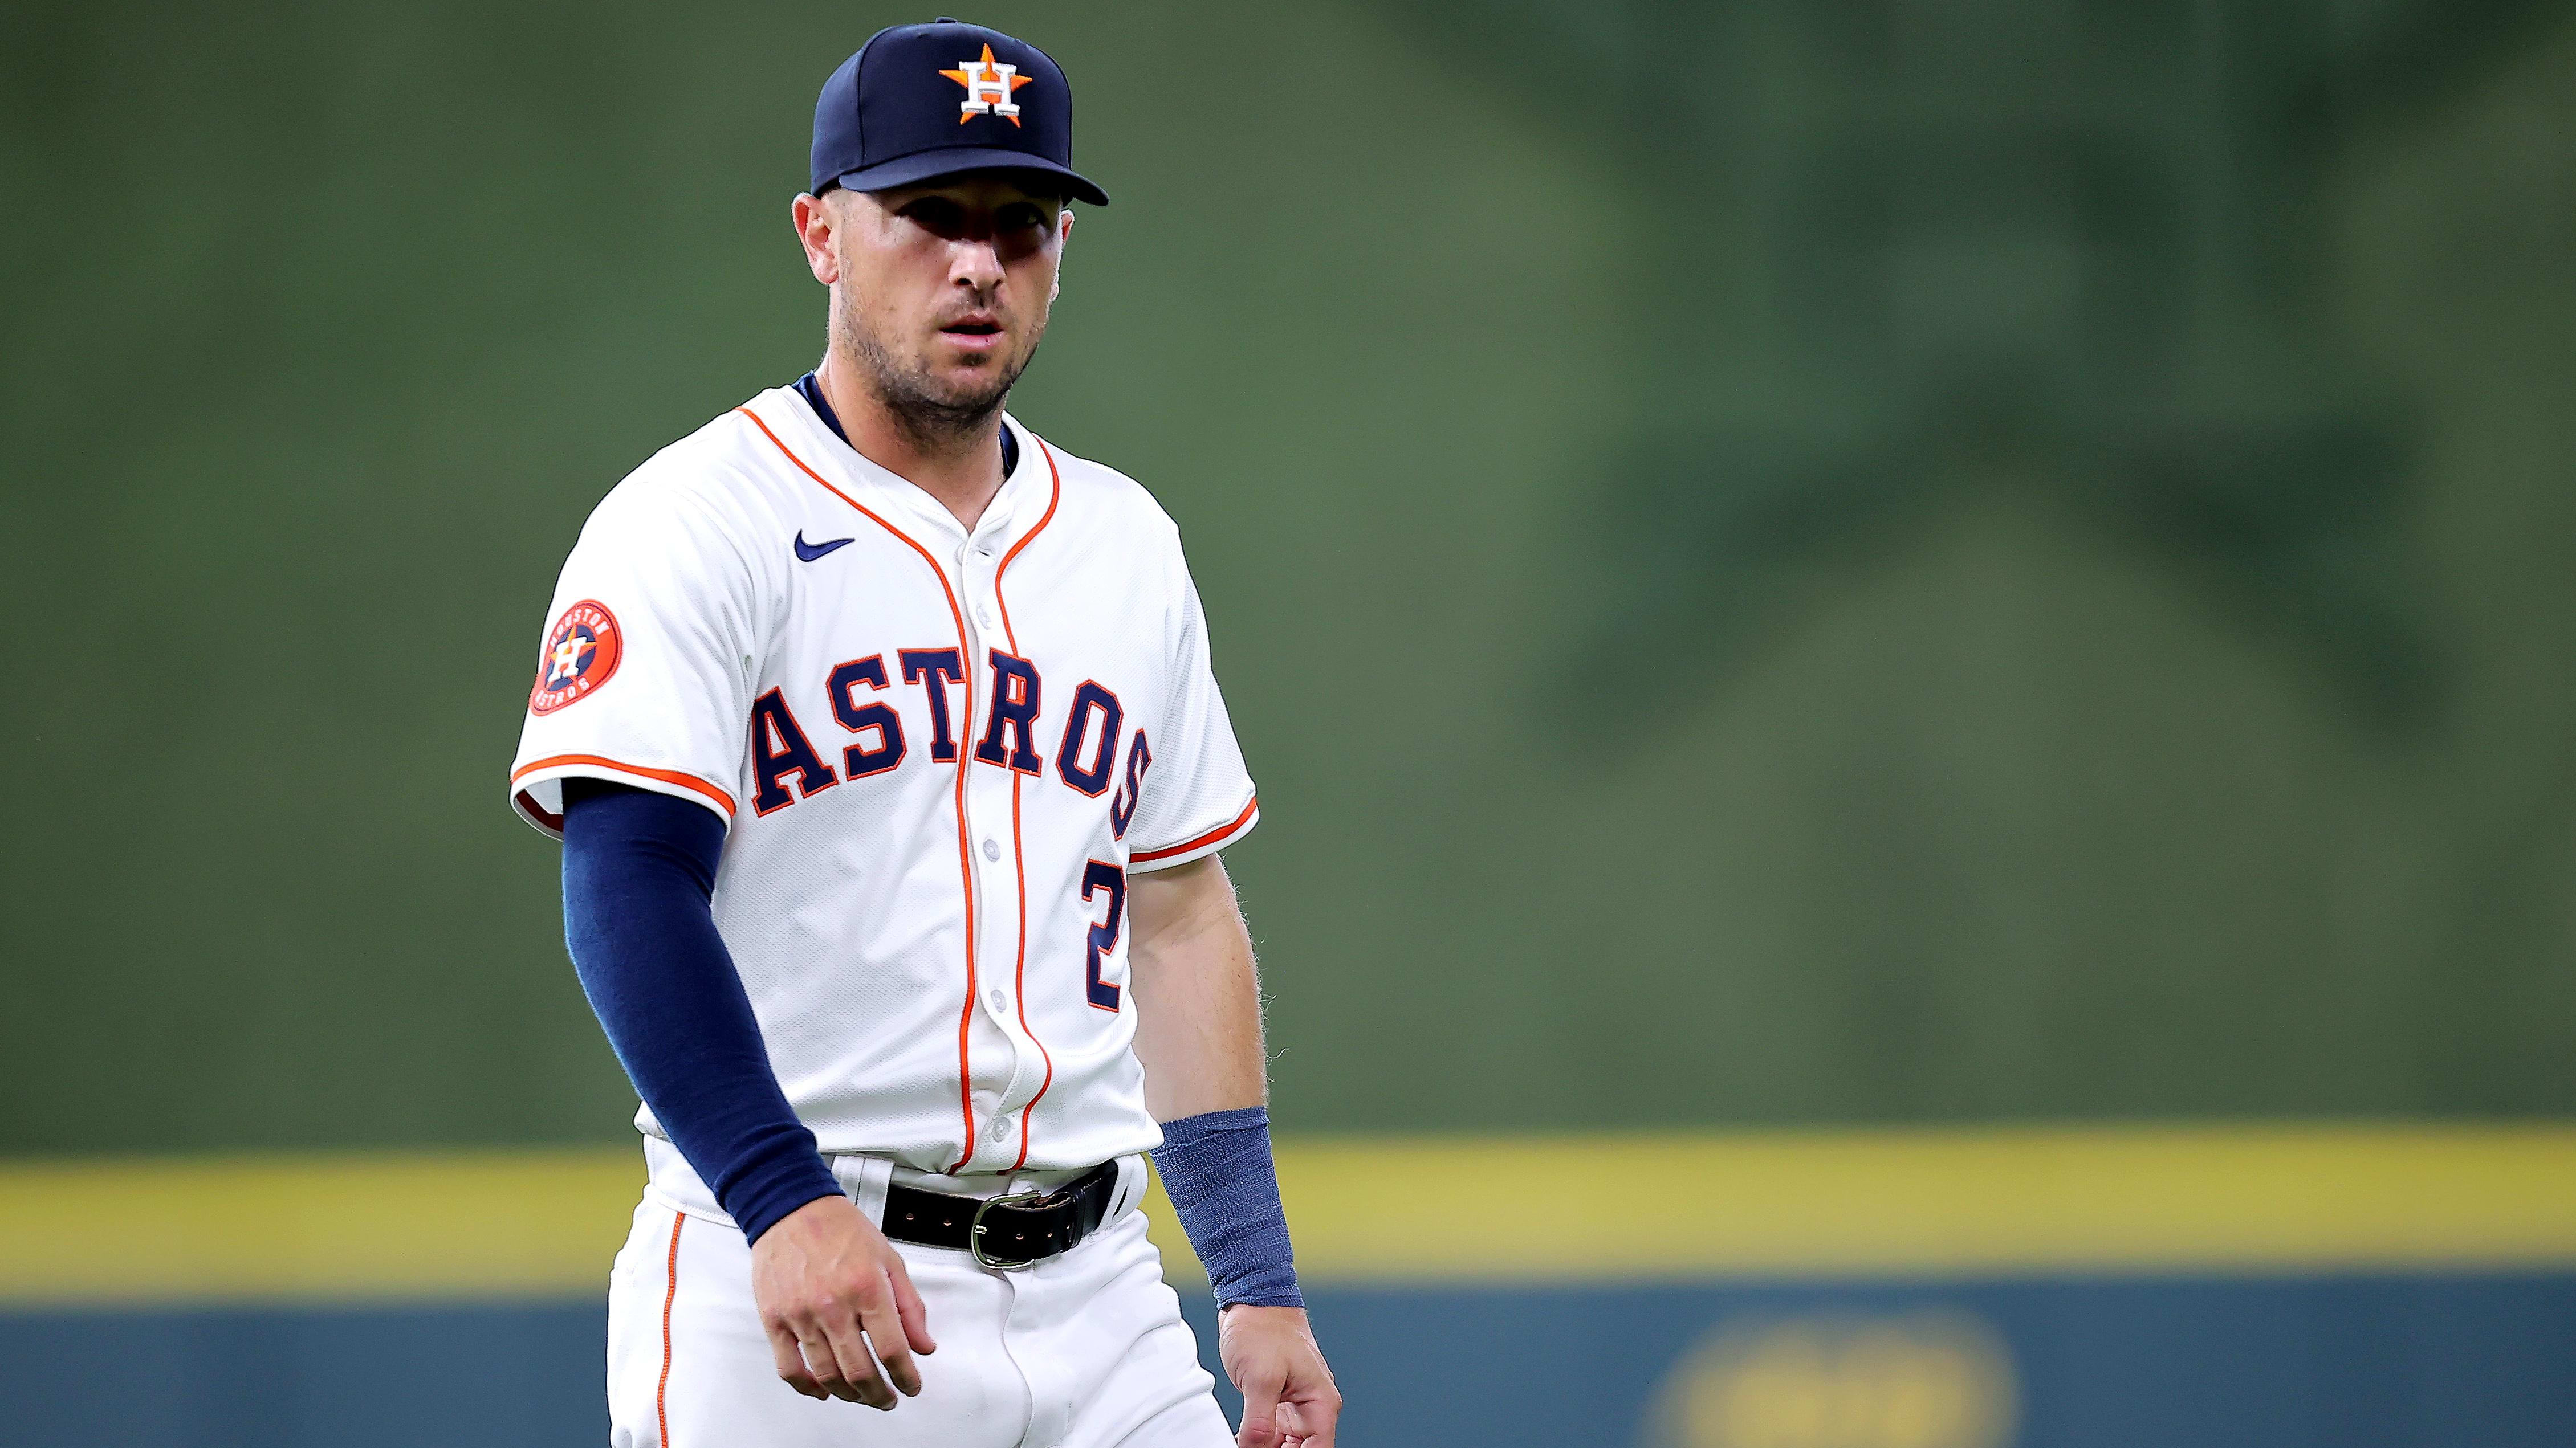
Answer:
(1101, 875)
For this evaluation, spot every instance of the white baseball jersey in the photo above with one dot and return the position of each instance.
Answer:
(940, 753)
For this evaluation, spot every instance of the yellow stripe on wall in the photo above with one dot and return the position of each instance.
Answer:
(2000, 1202)
(429, 1224)
(1918, 1203)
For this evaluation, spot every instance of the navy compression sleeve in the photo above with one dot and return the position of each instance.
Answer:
(638, 871)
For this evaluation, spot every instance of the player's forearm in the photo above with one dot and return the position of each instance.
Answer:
(1197, 994)
(1198, 1033)
(637, 871)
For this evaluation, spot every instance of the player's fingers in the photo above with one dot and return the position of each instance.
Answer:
(914, 1312)
(1318, 1415)
(825, 1365)
(791, 1362)
(814, 1344)
(887, 1334)
(858, 1367)
(1260, 1408)
(822, 1359)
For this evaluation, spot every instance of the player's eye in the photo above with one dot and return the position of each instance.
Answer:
(937, 215)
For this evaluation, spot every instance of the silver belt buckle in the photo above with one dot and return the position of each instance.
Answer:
(975, 1230)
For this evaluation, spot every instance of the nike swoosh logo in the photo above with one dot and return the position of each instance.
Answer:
(808, 552)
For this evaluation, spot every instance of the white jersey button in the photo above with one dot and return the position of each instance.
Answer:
(999, 1000)
(992, 849)
(1001, 1131)
(983, 615)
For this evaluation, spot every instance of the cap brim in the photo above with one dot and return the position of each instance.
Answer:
(923, 166)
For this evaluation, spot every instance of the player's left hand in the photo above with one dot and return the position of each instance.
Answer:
(1289, 1400)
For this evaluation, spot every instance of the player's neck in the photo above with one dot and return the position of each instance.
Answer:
(963, 471)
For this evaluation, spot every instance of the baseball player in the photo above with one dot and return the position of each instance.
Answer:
(891, 774)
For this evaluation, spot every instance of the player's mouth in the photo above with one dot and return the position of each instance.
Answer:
(975, 332)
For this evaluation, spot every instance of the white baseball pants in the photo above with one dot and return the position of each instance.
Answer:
(1087, 1350)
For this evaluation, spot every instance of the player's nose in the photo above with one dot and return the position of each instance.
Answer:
(975, 263)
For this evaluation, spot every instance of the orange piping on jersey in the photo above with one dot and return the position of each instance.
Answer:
(1211, 837)
(1019, 863)
(667, 776)
(670, 1294)
(965, 857)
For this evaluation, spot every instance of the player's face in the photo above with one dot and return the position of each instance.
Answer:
(940, 292)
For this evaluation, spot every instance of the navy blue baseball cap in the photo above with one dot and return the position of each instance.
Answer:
(919, 102)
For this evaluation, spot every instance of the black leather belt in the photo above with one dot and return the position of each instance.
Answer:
(1004, 1232)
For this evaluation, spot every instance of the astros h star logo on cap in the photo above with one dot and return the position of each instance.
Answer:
(989, 84)
(891, 116)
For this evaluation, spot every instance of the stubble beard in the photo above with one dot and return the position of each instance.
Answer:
(935, 416)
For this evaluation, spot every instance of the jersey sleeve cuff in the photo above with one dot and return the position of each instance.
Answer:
(536, 788)
(1147, 861)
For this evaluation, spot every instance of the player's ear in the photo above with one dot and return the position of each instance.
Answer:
(1063, 230)
(815, 222)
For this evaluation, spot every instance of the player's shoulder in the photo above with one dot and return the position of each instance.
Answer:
(1099, 491)
(718, 477)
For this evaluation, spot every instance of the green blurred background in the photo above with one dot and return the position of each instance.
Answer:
(1801, 561)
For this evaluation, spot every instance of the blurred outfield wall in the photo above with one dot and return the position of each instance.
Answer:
(1788, 565)
(1870, 565)
(1963, 1288)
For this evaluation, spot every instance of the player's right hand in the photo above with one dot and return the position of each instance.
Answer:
(829, 1286)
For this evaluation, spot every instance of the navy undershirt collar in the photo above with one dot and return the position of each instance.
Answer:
(812, 391)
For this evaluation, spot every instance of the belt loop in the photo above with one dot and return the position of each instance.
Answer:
(863, 1180)
(1130, 1193)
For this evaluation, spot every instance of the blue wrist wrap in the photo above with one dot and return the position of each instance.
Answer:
(1216, 1168)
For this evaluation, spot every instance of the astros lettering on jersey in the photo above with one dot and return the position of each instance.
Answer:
(940, 753)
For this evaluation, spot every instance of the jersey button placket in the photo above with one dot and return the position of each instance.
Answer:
(979, 814)
(1003, 999)
(988, 790)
